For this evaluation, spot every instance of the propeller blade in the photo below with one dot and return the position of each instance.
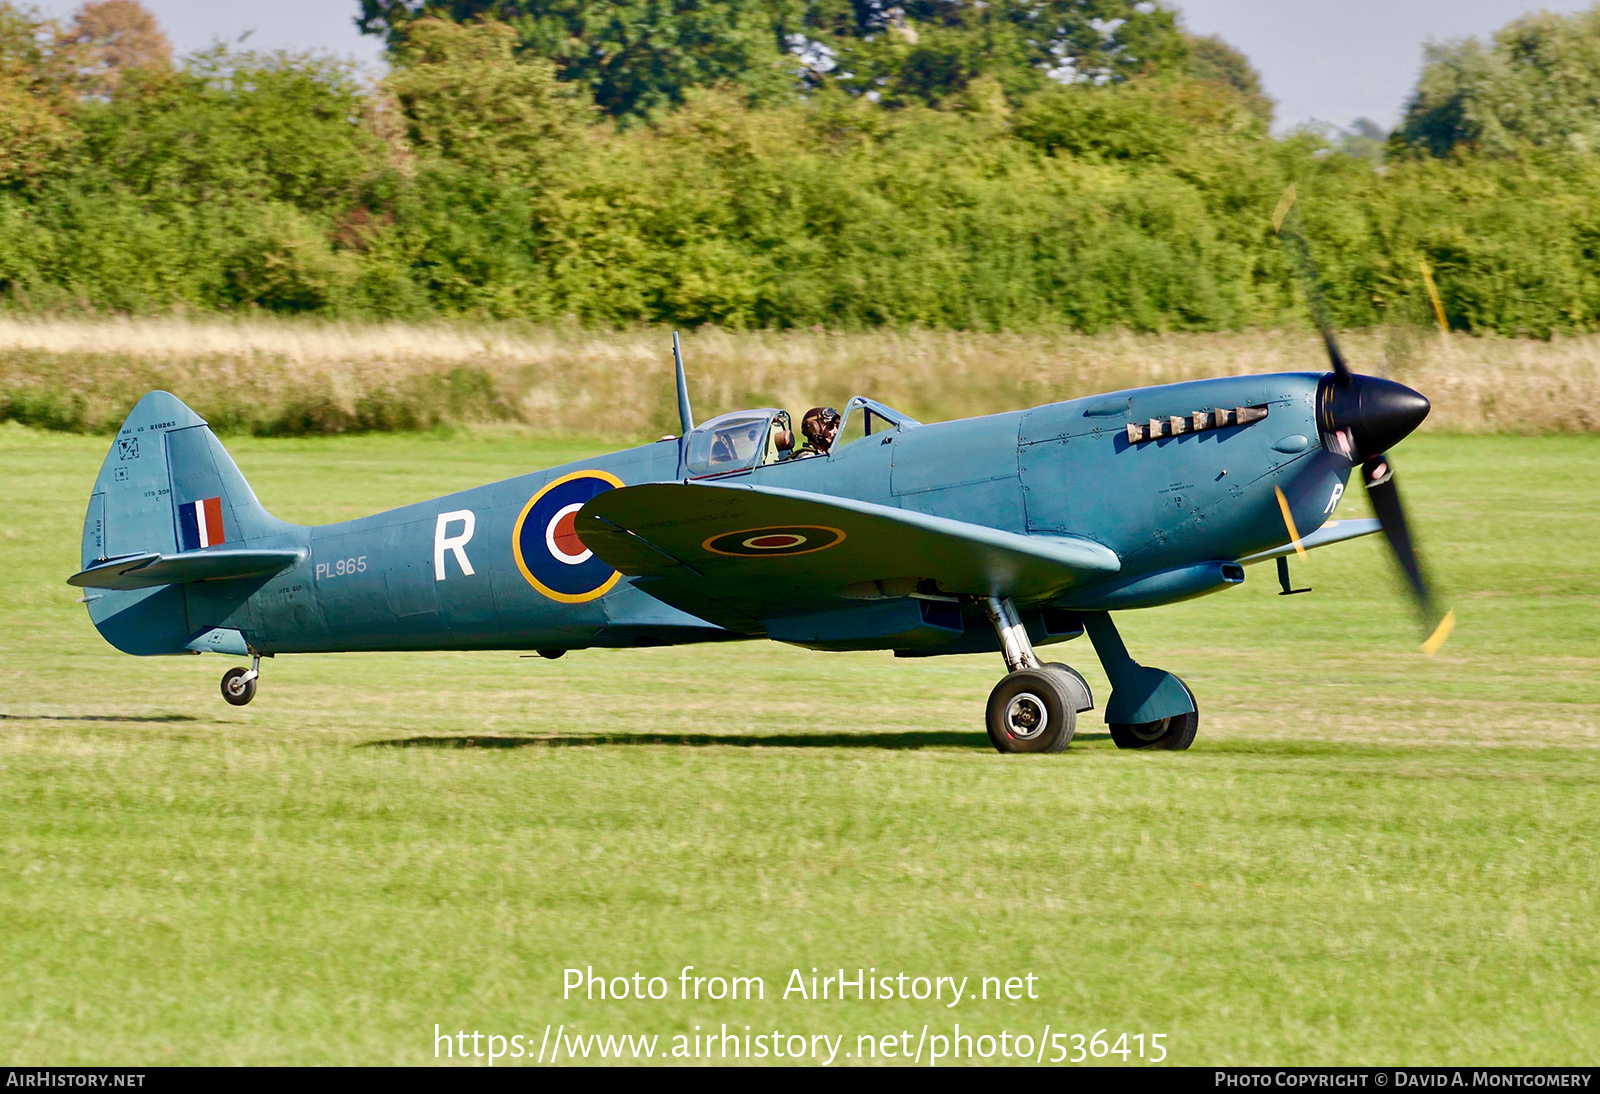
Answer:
(1288, 522)
(1356, 417)
(1441, 633)
(1287, 227)
(1377, 475)
(1285, 203)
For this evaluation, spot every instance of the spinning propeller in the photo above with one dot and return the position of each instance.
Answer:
(1359, 418)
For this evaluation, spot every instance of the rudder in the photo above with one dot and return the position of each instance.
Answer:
(166, 486)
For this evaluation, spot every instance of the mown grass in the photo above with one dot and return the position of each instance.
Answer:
(1368, 857)
(308, 377)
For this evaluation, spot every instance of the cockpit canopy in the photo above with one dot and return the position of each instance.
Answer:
(737, 441)
(743, 439)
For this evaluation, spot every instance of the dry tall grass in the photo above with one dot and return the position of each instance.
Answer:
(299, 377)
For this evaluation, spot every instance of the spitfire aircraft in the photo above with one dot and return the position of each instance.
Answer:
(1002, 533)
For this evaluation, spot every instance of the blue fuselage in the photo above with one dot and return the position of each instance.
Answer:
(458, 572)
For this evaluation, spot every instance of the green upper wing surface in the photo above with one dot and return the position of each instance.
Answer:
(737, 554)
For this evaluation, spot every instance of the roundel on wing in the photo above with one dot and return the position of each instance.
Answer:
(546, 544)
(780, 539)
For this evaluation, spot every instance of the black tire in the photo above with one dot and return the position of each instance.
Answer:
(1170, 734)
(1031, 711)
(1083, 701)
(236, 692)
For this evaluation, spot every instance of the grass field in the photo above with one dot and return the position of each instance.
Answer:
(1368, 857)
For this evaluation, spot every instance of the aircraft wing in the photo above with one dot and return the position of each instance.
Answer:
(147, 571)
(736, 554)
(1335, 531)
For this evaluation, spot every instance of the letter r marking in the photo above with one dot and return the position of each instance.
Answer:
(456, 544)
(1338, 492)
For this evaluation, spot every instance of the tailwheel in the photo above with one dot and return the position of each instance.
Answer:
(239, 685)
(1031, 710)
(1172, 734)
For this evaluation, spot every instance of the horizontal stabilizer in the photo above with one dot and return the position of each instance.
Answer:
(737, 554)
(1335, 531)
(147, 571)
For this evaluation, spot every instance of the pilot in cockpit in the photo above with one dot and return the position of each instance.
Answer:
(820, 426)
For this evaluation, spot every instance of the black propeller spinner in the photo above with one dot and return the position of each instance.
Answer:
(1360, 417)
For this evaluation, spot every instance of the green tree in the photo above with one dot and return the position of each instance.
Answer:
(468, 98)
(1163, 120)
(1536, 84)
(1215, 61)
(641, 56)
(235, 127)
(223, 184)
(929, 50)
(637, 57)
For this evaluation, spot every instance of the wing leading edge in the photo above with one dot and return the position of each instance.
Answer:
(737, 554)
(1335, 531)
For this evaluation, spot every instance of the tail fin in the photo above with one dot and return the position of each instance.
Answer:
(166, 486)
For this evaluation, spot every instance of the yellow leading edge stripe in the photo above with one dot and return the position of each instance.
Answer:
(1288, 521)
(1440, 633)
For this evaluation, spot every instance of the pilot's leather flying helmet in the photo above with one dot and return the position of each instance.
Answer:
(818, 420)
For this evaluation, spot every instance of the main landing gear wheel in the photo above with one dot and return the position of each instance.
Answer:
(1035, 708)
(1173, 734)
(239, 686)
(1031, 710)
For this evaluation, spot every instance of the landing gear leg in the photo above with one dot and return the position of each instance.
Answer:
(239, 685)
(1149, 708)
(1034, 708)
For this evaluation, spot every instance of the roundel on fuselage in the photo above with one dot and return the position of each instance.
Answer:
(546, 544)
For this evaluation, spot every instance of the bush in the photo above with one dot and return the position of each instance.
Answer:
(473, 184)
